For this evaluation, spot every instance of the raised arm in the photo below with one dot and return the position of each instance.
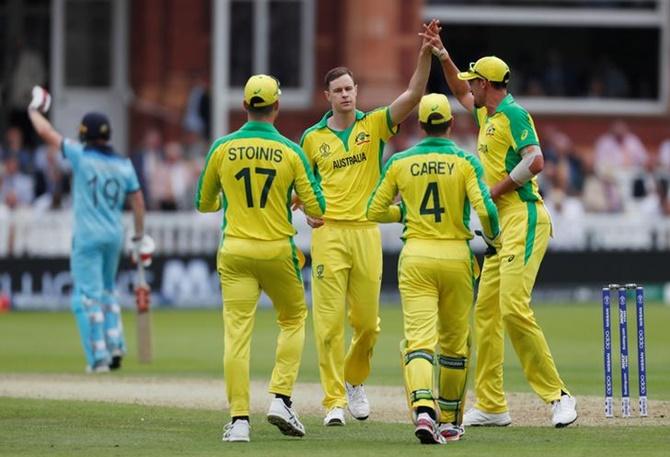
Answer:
(39, 104)
(407, 101)
(460, 89)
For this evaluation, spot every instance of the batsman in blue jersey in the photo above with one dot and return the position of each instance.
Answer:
(102, 179)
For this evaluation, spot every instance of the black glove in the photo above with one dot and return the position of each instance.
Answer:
(491, 244)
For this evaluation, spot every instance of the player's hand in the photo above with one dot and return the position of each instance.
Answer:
(492, 244)
(41, 100)
(431, 36)
(314, 222)
(296, 203)
(143, 249)
(426, 44)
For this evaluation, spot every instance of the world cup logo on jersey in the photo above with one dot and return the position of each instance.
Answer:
(324, 149)
(319, 271)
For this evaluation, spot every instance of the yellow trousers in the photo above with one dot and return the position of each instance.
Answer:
(346, 268)
(436, 280)
(503, 302)
(246, 267)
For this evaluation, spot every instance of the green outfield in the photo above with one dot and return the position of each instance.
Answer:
(189, 344)
(56, 428)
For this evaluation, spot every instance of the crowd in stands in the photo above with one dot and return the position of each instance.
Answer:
(617, 174)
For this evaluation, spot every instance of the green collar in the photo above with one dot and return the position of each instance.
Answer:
(433, 141)
(324, 120)
(259, 126)
(505, 102)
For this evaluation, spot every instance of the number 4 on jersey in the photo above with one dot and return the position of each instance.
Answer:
(432, 195)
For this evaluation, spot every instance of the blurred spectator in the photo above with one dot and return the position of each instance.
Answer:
(194, 167)
(568, 226)
(664, 197)
(17, 188)
(170, 180)
(196, 121)
(555, 75)
(649, 187)
(28, 70)
(619, 149)
(15, 147)
(464, 132)
(664, 155)
(608, 80)
(534, 88)
(563, 164)
(145, 160)
(601, 194)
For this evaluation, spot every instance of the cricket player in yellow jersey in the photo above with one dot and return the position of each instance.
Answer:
(509, 149)
(345, 150)
(438, 182)
(251, 175)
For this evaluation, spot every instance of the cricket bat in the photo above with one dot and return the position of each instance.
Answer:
(143, 302)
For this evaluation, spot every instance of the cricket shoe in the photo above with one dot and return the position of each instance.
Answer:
(115, 364)
(476, 417)
(285, 419)
(426, 430)
(451, 432)
(335, 417)
(237, 431)
(357, 401)
(563, 411)
(101, 366)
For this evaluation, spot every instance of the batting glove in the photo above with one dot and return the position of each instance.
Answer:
(41, 100)
(492, 244)
(142, 249)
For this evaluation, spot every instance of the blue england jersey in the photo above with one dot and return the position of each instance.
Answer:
(101, 181)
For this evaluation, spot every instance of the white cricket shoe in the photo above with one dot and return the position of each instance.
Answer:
(237, 431)
(97, 368)
(563, 411)
(285, 419)
(334, 417)
(451, 432)
(357, 401)
(476, 417)
(426, 430)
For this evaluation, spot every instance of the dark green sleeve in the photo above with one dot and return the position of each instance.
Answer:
(521, 128)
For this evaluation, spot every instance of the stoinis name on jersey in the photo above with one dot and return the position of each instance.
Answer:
(431, 167)
(349, 160)
(255, 153)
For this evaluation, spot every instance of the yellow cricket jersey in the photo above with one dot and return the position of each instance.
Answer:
(437, 181)
(348, 163)
(251, 174)
(501, 137)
